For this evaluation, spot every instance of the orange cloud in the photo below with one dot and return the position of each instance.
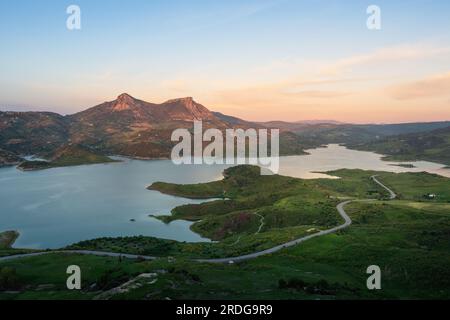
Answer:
(435, 86)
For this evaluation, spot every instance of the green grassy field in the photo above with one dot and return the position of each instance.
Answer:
(408, 238)
(410, 244)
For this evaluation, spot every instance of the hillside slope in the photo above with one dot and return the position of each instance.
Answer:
(65, 156)
(7, 158)
(32, 132)
(431, 146)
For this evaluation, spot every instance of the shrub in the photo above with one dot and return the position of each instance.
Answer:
(9, 279)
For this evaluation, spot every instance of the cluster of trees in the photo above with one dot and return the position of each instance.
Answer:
(9, 279)
(321, 287)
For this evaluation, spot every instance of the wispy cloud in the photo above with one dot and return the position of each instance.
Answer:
(318, 94)
(384, 56)
(434, 86)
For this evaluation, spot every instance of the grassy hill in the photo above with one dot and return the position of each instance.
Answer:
(69, 155)
(431, 146)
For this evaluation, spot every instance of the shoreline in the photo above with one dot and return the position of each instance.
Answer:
(384, 157)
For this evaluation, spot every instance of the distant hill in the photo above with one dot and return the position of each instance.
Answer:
(320, 122)
(431, 146)
(28, 132)
(404, 128)
(237, 121)
(351, 134)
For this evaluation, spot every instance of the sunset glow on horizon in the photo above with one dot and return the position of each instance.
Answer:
(259, 60)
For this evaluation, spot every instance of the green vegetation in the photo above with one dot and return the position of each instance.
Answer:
(408, 238)
(9, 279)
(252, 200)
(409, 242)
(229, 247)
(431, 146)
(71, 155)
(35, 165)
(263, 211)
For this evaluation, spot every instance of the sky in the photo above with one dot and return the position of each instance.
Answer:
(256, 59)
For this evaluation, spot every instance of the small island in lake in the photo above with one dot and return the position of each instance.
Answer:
(404, 165)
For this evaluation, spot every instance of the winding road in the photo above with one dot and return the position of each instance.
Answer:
(340, 208)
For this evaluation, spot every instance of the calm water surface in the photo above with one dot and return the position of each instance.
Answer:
(56, 207)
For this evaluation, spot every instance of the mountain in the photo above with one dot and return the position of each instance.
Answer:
(28, 132)
(136, 128)
(125, 126)
(126, 110)
(132, 127)
(431, 146)
(290, 143)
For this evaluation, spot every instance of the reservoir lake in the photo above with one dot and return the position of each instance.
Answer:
(60, 206)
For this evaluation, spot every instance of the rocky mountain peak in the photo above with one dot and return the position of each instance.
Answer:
(124, 102)
(125, 96)
(187, 109)
(185, 101)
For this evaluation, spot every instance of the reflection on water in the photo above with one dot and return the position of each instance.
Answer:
(335, 157)
(56, 207)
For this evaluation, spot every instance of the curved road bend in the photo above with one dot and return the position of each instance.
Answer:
(392, 195)
(339, 207)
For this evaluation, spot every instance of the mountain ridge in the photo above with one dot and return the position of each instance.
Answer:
(132, 127)
(125, 126)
